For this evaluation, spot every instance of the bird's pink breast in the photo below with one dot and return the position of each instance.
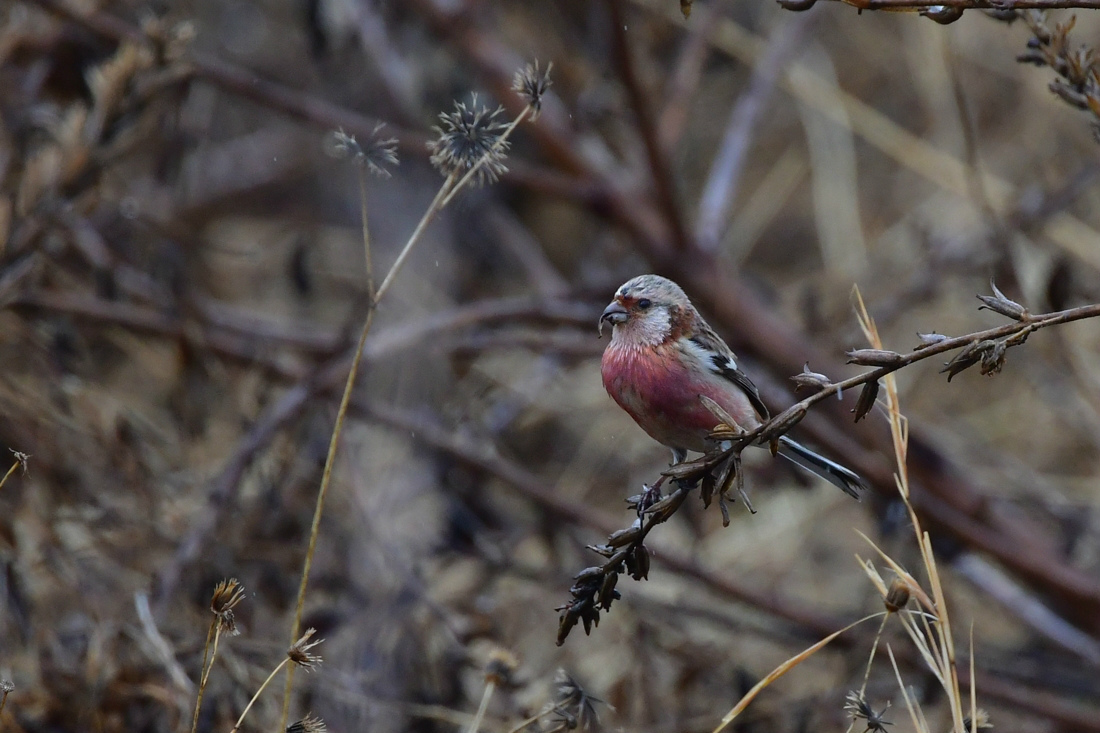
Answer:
(661, 393)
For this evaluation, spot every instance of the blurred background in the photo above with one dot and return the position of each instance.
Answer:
(182, 279)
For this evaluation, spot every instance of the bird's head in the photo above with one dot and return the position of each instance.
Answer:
(648, 309)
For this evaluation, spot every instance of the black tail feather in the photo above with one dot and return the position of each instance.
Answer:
(834, 473)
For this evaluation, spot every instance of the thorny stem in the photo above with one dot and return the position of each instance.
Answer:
(203, 674)
(490, 687)
(255, 697)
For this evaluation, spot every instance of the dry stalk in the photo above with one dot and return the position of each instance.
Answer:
(939, 653)
(470, 144)
(227, 594)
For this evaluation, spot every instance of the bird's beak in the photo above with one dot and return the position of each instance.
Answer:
(614, 313)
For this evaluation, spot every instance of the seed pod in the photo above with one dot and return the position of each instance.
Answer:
(874, 357)
(929, 339)
(607, 590)
(866, 400)
(810, 379)
(623, 537)
(641, 559)
(942, 14)
(783, 422)
(993, 359)
(970, 355)
(897, 596)
(998, 302)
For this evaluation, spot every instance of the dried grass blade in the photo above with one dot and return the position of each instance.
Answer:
(785, 667)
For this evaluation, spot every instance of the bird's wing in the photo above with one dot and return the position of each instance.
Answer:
(720, 360)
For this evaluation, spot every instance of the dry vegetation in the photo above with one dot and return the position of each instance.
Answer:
(200, 219)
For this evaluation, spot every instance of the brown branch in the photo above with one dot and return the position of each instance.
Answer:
(972, 4)
(660, 171)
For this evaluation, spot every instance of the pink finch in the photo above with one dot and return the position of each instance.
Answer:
(663, 357)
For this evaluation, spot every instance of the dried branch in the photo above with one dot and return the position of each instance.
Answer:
(719, 470)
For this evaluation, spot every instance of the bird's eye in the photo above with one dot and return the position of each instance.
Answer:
(644, 303)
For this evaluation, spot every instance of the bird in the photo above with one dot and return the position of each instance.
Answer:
(664, 357)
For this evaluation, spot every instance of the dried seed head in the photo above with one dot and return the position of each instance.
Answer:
(299, 651)
(897, 596)
(981, 720)
(500, 667)
(810, 379)
(376, 155)
(470, 137)
(227, 594)
(531, 84)
(308, 724)
(7, 686)
(22, 458)
(576, 708)
(860, 709)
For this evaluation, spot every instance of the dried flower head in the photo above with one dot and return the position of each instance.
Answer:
(500, 667)
(574, 707)
(308, 724)
(860, 709)
(299, 651)
(377, 155)
(981, 720)
(227, 594)
(22, 458)
(7, 686)
(531, 84)
(470, 137)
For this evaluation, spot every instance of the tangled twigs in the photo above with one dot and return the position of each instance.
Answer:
(718, 471)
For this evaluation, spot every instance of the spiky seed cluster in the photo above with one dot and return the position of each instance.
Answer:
(467, 136)
(376, 155)
(308, 724)
(532, 84)
(574, 707)
(1079, 69)
(860, 709)
(299, 651)
(7, 686)
(227, 594)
